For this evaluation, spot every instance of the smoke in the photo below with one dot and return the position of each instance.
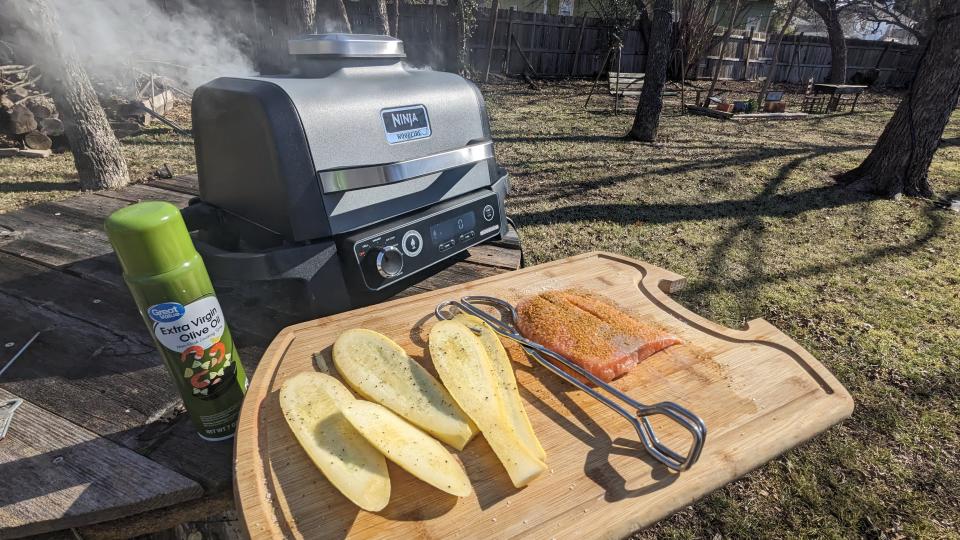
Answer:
(120, 40)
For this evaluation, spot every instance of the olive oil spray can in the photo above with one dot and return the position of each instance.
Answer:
(172, 289)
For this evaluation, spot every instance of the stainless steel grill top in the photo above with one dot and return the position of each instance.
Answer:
(347, 46)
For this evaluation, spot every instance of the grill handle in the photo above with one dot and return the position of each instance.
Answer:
(361, 177)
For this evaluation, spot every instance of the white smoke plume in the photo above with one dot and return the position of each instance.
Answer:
(119, 39)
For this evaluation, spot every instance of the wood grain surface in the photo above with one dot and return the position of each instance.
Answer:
(758, 392)
(57, 475)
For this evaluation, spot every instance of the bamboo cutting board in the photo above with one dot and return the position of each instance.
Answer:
(758, 392)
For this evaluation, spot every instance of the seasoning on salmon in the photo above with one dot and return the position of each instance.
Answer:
(590, 331)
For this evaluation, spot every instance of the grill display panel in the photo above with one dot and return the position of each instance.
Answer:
(450, 229)
(407, 245)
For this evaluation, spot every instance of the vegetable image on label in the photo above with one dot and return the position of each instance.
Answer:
(194, 331)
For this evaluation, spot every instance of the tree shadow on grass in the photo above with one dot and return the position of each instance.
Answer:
(952, 141)
(41, 186)
(749, 213)
(661, 167)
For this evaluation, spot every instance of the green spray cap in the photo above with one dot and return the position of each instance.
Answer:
(150, 238)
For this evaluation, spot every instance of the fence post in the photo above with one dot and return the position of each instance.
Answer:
(746, 56)
(576, 54)
(506, 59)
(493, 34)
(883, 53)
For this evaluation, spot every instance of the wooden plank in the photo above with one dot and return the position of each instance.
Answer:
(198, 510)
(58, 475)
(96, 365)
(69, 231)
(705, 111)
(94, 362)
(456, 274)
(770, 116)
(495, 256)
(147, 192)
(187, 184)
(57, 234)
(758, 392)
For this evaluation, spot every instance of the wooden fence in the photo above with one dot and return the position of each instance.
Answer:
(564, 46)
(549, 42)
(808, 57)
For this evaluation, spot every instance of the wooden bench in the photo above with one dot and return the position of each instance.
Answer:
(620, 84)
(838, 94)
(625, 84)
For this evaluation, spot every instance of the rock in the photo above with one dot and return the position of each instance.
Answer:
(6, 103)
(41, 107)
(163, 172)
(51, 127)
(21, 120)
(34, 153)
(9, 152)
(37, 141)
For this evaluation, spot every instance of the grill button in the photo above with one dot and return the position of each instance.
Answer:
(412, 243)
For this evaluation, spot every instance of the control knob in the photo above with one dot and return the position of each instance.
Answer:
(388, 260)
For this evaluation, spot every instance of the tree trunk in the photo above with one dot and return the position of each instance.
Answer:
(827, 10)
(644, 26)
(458, 36)
(96, 151)
(395, 19)
(647, 120)
(301, 16)
(334, 15)
(900, 161)
(838, 51)
(381, 19)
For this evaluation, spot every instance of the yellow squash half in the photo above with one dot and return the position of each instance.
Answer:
(311, 404)
(465, 368)
(381, 371)
(418, 453)
(506, 381)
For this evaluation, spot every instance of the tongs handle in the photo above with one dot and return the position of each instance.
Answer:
(640, 421)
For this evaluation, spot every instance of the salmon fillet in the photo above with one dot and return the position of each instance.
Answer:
(590, 331)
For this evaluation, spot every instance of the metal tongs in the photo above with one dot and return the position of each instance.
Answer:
(659, 451)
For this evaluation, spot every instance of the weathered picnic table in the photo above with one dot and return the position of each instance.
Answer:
(837, 92)
(101, 443)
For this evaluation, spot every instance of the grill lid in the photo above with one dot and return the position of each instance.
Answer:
(347, 46)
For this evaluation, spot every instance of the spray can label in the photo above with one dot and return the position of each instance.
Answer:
(203, 362)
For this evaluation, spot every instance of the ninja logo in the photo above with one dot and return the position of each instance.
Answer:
(405, 119)
(405, 123)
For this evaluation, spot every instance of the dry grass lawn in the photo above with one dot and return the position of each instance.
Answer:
(24, 182)
(748, 212)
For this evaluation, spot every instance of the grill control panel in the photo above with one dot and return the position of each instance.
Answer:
(392, 251)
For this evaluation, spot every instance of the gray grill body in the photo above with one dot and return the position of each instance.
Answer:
(298, 172)
(263, 143)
